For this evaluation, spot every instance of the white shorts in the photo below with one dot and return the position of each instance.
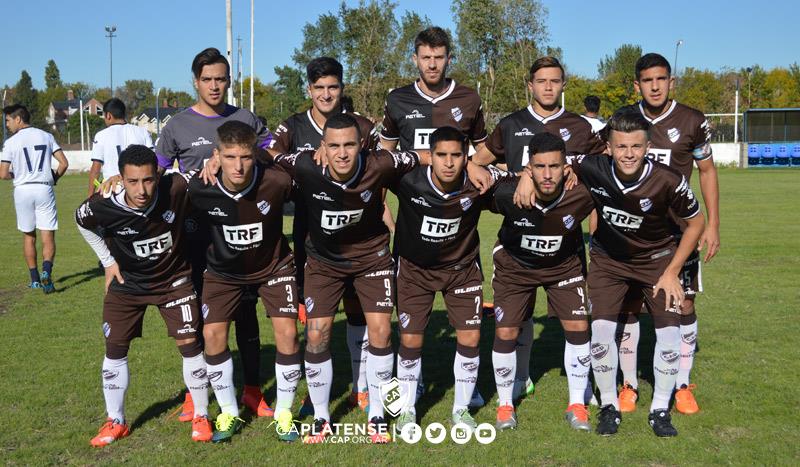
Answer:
(36, 207)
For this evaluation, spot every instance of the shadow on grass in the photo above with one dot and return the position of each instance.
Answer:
(80, 277)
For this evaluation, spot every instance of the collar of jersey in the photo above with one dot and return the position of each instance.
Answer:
(119, 200)
(440, 192)
(434, 100)
(237, 196)
(545, 119)
(660, 117)
(355, 176)
(553, 204)
(645, 173)
(313, 123)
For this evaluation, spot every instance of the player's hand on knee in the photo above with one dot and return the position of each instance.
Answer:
(710, 241)
(525, 195)
(209, 172)
(673, 291)
(112, 272)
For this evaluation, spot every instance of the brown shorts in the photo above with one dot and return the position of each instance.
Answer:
(691, 277)
(325, 285)
(416, 288)
(515, 287)
(610, 281)
(123, 314)
(278, 292)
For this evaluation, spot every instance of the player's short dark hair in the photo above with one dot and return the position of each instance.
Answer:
(18, 110)
(448, 133)
(592, 103)
(651, 60)
(627, 120)
(340, 122)
(547, 62)
(433, 36)
(347, 104)
(323, 66)
(115, 107)
(137, 155)
(547, 142)
(237, 133)
(209, 56)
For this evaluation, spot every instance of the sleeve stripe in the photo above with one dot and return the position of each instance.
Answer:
(693, 215)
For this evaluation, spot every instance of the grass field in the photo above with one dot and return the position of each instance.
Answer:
(746, 368)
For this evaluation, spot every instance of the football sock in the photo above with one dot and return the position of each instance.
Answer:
(688, 342)
(504, 361)
(576, 363)
(47, 267)
(248, 341)
(34, 274)
(409, 369)
(524, 346)
(604, 360)
(115, 384)
(287, 374)
(380, 363)
(666, 360)
(628, 346)
(319, 376)
(220, 375)
(196, 378)
(465, 370)
(357, 341)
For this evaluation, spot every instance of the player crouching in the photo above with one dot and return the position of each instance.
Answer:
(141, 248)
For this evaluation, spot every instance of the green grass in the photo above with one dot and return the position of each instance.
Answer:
(746, 368)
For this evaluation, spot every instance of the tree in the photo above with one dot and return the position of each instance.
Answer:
(322, 39)
(52, 77)
(73, 128)
(137, 94)
(622, 63)
(400, 58)
(25, 94)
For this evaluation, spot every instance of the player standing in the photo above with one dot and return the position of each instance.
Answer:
(138, 236)
(27, 158)
(111, 141)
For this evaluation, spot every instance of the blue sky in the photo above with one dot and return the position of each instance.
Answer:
(156, 40)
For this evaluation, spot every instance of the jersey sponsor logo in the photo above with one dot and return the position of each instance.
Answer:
(322, 196)
(186, 329)
(385, 272)
(127, 231)
(673, 134)
(524, 222)
(366, 195)
(466, 203)
(272, 282)
(217, 212)
(290, 308)
(305, 147)
(153, 246)
(168, 216)
(600, 191)
(422, 138)
(457, 114)
(524, 132)
(263, 206)
(569, 281)
(421, 201)
(541, 243)
(336, 220)
(244, 234)
(387, 303)
(439, 228)
(581, 311)
(565, 134)
(622, 219)
(414, 114)
(645, 204)
(569, 221)
(201, 141)
(179, 301)
(663, 156)
(464, 290)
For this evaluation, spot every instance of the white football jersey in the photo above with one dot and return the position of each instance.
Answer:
(111, 141)
(30, 152)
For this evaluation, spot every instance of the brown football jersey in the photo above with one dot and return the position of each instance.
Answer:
(300, 133)
(574, 130)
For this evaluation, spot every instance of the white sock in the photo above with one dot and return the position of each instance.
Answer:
(465, 370)
(196, 378)
(666, 360)
(504, 370)
(628, 347)
(357, 342)
(577, 361)
(115, 378)
(688, 343)
(524, 346)
(379, 372)
(409, 369)
(605, 359)
(319, 377)
(220, 376)
(287, 374)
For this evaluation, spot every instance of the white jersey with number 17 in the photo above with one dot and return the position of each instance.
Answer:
(30, 152)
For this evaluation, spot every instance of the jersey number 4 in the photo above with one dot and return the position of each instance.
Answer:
(42, 151)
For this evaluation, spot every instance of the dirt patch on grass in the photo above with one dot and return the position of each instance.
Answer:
(8, 297)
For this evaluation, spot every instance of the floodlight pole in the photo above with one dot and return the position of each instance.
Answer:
(229, 35)
(252, 34)
(736, 114)
(677, 44)
(4, 122)
(749, 78)
(110, 34)
(158, 118)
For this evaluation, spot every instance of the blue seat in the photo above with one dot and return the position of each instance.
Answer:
(781, 153)
(753, 154)
(795, 154)
(767, 155)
